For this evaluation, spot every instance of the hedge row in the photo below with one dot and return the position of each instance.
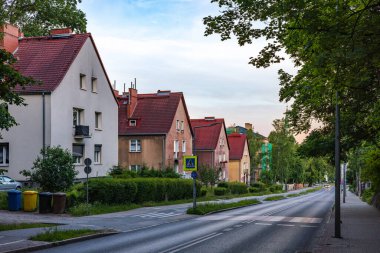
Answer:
(138, 190)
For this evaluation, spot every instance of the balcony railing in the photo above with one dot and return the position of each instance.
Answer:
(82, 132)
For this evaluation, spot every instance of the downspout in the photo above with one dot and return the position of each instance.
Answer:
(43, 122)
(163, 151)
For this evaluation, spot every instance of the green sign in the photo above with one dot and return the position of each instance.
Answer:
(190, 163)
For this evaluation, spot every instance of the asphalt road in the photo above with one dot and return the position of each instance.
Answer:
(281, 226)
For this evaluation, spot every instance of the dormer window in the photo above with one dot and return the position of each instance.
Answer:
(132, 122)
(82, 81)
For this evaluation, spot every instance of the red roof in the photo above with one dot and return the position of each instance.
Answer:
(237, 143)
(207, 132)
(47, 59)
(154, 114)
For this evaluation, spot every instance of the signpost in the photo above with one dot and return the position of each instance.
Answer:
(87, 170)
(190, 163)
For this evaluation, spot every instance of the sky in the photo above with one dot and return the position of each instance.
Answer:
(161, 43)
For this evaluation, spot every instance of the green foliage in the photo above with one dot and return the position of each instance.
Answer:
(3, 200)
(254, 142)
(223, 184)
(259, 185)
(208, 176)
(54, 170)
(203, 192)
(254, 189)
(319, 143)
(371, 169)
(138, 190)
(367, 195)
(220, 191)
(99, 208)
(237, 188)
(75, 195)
(15, 226)
(275, 188)
(54, 235)
(203, 209)
(274, 198)
(119, 172)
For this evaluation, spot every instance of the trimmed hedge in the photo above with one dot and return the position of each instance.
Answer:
(254, 190)
(219, 191)
(237, 188)
(259, 185)
(203, 191)
(223, 184)
(138, 190)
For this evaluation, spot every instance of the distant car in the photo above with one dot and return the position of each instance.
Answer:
(326, 185)
(7, 183)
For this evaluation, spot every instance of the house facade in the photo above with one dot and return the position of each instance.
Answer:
(154, 130)
(74, 106)
(239, 165)
(211, 145)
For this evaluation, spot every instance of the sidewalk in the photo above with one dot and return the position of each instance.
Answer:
(360, 229)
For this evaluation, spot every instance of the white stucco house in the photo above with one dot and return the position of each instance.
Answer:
(74, 106)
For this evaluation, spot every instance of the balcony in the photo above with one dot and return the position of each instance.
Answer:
(81, 132)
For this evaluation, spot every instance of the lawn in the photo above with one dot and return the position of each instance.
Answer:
(203, 209)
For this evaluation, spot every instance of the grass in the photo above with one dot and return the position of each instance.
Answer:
(14, 226)
(275, 198)
(203, 209)
(99, 208)
(54, 235)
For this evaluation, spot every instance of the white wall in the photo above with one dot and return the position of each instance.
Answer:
(25, 139)
(69, 95)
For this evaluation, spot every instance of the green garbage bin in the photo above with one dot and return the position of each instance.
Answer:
(44, 202)
(59, 202)
(30, 201)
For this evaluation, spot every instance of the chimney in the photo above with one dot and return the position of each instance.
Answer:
(132, 101)
(163, 92)
(9, 40)
(248, 126)
(61, 31)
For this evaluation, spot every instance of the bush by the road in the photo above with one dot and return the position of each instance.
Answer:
(259, 185)
(254, 190)
(220, 191)
(203, 191)
(275, 188)
(223, 184)
(237, 188)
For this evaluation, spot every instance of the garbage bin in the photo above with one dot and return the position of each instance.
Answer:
(30, 201)
(44, 202)
(14, 200)
(59, 202)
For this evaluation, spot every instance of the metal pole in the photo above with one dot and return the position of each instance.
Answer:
(337, 169)
(194, 193)
(344, 182)
(87, 193)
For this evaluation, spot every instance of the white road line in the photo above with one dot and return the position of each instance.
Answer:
(191, 243)
(263, 224)
(11, 242)
(286, 225)
(227, 229)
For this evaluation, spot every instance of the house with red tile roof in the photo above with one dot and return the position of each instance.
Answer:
(73, 107)
(239, 165)
(211, 145)
(154, 130)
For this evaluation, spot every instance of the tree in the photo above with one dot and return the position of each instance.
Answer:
(34, 18)
(54, 170)
(334, 45)
(254, 143)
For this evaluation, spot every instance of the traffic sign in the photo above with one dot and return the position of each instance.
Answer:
(194, 174)
(190, 163)
(87, 170)
(87, 161)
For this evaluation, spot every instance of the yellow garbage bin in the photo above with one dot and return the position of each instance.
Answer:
(30, 201)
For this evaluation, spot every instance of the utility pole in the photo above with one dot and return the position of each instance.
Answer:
(337, 168)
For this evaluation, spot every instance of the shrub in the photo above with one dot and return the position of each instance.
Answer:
(54, 170)
(3, 200)
(368, 195)
(203, 191)
(75, 195)
(259, 185)
(219, 191)
(254, 190)
(223, 184)
(112, 191)
(237, 188)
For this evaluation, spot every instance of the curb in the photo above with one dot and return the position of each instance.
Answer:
(64, 242)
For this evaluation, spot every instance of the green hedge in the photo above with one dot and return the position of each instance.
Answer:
(138, 190)
(219, 191)
(223, 184)
(254, 190)
(4, 200)
(275, 188)
(259, 185)
(203, 191)
(237, 188)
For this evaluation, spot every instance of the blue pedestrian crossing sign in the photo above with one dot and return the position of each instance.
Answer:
(190, 163)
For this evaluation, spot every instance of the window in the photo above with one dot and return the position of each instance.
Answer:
(183, 146)
(132, 122)
(135, 167)
(135, 146)
(4, 154)
(94, 84)
(98, 120)
(82, 81)
(182, 125)
(78, 153)
(220, 158)
(178, 127)
(221, 141)
(77, 116)
(98, 154)
(176, 146)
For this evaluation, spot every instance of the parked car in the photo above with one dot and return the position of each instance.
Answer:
(7, 183)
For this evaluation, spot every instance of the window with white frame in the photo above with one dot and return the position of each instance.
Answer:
(4, 154)
(224, 157)
(98, 120)
(97, 154)
(78, 153)
(82, 81)
(220, 158)
(182, 125)
(94, 84)
(132, 122)
(176, 146)
(221, 141)
(134, 146)
(183, 146)
(77, 116)
(135, 167)
(178, 127)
